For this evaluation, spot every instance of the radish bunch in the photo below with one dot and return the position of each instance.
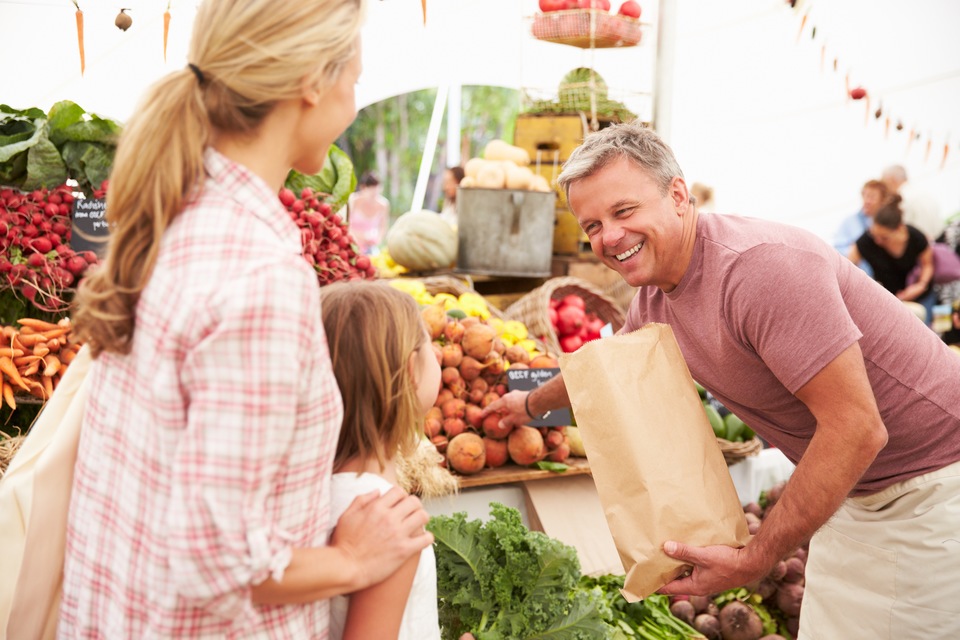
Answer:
(35, 255)
(572, 323)
(327, 243)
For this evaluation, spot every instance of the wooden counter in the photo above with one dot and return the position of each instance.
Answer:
(512, 473)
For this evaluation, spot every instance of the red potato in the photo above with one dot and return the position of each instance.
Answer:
(492, 429)
(560, 454)
(466, 453)
(525, 445)
(553, 439)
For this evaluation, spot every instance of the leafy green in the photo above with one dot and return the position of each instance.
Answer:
(649, 619)
(546, 465)
(44, 165)
(500, 580)
(336, 180)
(88, 163)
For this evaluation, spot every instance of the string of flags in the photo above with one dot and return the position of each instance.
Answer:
(859, 93)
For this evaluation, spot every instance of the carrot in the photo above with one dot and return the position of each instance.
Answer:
(47, 386)
(41, 349)
(64, 322)
(423, 3)
(37, 325)
(83, 62)
(16, 345)
(7, 367)
(52, 365)
(8, 396)
(10, 353)
(30, 369)
(54, 333)
(53, 345)
(166, 30)
(23, 361)
(67, 355)
(32, 339)
(36, 390)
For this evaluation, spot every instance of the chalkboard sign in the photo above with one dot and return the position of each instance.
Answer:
(527, 379)
(89, 231)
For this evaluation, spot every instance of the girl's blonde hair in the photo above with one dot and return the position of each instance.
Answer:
(372, 329)
(248, 56)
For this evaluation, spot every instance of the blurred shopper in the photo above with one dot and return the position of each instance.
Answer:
(704, 196)
(893, 249)
(874, 194)
(819, 361)
(451, 180)
(368, 214)
(920, 210)
(201, 493)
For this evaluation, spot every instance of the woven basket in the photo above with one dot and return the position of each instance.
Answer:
(734, 452)
(533, 309)
(621, 293)
(587, 28)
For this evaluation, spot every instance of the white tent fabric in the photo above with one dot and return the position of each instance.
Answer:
(753, 114)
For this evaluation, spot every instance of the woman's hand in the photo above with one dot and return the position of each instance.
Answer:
(379, 533)
(912, 292)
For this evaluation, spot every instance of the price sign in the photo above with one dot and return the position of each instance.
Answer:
(528, 379)
(89, 231)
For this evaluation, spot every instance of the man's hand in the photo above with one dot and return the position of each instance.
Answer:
(511, 408)
(714, 569)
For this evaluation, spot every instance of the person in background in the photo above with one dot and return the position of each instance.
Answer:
(874, 194)
(820, 361)
(920, 210)
(451, 180)
(892, 249)
(201, 493)
(368, 214)
(704, 196)
(389, 377)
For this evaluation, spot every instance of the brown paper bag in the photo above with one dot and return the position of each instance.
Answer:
(654, 458)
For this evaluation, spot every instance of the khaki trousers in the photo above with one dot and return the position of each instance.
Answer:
(887, 566)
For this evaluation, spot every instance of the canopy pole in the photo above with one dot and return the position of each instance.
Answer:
(429, 148)
(663, 80)
(453, 125)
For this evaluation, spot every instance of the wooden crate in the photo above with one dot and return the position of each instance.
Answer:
(566, 234)
(551, 172)
(554, 136)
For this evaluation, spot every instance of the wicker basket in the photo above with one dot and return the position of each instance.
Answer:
(734, 452)
(533, 308)
(587, 28)
(621, 293)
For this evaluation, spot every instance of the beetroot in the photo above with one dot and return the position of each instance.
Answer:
(708, 625)
(739, 622)
(789, 598)
(683, 610)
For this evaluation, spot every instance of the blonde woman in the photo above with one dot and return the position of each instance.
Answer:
(201, 498)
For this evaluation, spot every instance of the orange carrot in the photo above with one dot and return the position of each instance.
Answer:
(37, 325)
(52, 365)
(23, 361)
(30, 369)
(8, 368)
(83, 62)
(40, 349)
(10, 353)
(28, 340)
(47, 386)
(55, 333)
(166, 30)
(423, 3)
(8, 396)
(67, 355)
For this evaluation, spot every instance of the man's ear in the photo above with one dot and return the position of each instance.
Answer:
(680, 194)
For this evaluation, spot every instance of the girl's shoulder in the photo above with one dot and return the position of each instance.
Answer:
(346, 486)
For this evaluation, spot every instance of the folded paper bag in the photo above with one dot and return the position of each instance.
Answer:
(655, 460)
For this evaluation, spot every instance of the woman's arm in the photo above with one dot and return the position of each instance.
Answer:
(374, 536)
(377, 611)
(917, 289)
(854, 255)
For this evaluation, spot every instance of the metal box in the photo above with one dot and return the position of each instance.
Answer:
(505, 232)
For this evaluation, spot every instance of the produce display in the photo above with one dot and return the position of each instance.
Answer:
(588, 23)
(34, 357)
(422, 241)
(503, 166)
(474, 350)
(573, 324)
(725, 424)
(36, 260)
(582, 90)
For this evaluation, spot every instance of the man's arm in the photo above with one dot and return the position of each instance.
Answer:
(513, 406)
(849, 435)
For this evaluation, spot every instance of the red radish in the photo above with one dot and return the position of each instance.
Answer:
(552, 5)
(287, 197)
(569, 319)
(571, 343)
(630, 8)
(573, 300)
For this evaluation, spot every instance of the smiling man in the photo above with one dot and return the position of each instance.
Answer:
(818, 359)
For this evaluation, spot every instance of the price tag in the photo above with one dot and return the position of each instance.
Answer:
(89, 231)
(528, 379)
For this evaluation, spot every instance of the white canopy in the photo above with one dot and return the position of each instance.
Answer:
(754, 113)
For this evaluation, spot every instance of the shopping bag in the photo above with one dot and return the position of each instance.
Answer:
(946, 265)
(659, 471)
(34, 499)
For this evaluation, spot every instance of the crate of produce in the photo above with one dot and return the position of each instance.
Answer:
(534, 308)
(734, 452)
(587, 29)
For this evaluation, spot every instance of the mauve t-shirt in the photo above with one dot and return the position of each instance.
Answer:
(765, 306)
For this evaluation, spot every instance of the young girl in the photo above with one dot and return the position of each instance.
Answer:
(389, 377)
(200, 500)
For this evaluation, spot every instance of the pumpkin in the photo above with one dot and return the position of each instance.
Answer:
(422, 241)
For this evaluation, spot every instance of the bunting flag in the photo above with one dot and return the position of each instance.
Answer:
(803, 10)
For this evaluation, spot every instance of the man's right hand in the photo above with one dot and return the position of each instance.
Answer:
(511, 408)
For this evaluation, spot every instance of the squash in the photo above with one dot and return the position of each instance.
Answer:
(500, 150)
(539, 183)
(473, 166)
(491, 176)
(422, 241)
(468, 183)
(518, 177)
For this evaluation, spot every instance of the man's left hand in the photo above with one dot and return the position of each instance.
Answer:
(714, 569)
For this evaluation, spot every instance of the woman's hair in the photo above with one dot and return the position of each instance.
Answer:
(890, 216)
(457, 172)
(878, 186)
(372, 329)
(246, 57)
(632, 141)
(369, 179)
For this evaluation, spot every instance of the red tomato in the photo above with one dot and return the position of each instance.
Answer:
(630, 8)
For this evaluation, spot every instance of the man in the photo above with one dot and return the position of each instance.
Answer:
(819, 360)
(874, 194)
(920, 210)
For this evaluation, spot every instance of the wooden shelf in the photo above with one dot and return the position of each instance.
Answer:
(512, 473)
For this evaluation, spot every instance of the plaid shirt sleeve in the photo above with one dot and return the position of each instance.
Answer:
(242, 378)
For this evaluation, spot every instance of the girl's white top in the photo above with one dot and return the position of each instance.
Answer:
(420, 619)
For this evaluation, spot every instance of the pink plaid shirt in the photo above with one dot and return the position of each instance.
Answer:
(206, 453)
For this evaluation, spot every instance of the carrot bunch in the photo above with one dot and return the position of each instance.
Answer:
(34, 357)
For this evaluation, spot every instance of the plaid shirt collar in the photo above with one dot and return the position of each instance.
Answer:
(250, 192)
